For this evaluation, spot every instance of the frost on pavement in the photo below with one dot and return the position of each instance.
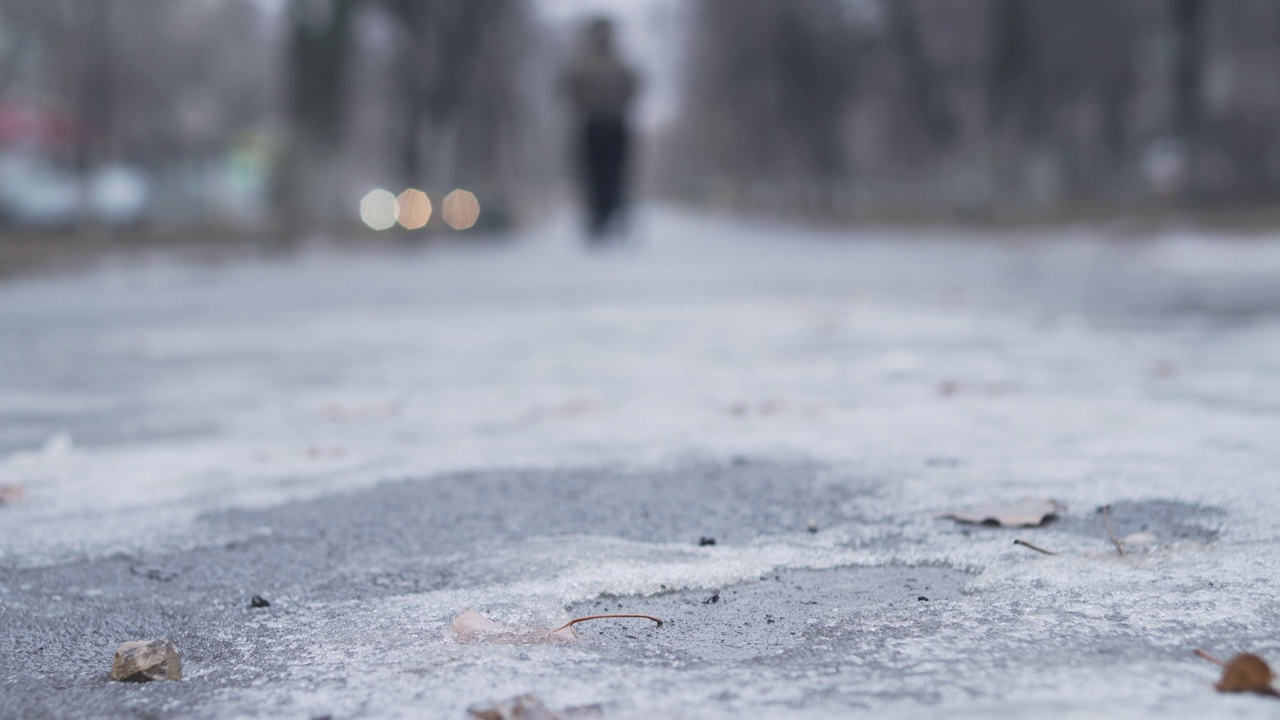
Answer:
(876, 377)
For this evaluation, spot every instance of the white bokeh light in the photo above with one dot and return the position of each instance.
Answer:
(379, 209)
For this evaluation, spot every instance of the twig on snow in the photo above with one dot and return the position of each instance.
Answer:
(1038, 549)
(575, 621)
(1105, 510)
(1210, 658)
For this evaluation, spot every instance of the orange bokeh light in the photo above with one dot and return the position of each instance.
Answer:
(415, 209)
(461, 209)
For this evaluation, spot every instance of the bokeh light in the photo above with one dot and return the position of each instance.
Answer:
(378, 209)
(461, 209)
(415, 209)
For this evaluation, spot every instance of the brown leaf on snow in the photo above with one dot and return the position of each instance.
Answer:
(951, 388)
(11, 494)
(563, 411)
(340, 412)
(1024, 513)
(529, 707)
(1245, 672)
(471, 626)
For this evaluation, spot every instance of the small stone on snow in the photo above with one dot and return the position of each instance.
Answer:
(143, 660)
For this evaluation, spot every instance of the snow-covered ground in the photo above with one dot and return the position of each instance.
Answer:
(918, 371)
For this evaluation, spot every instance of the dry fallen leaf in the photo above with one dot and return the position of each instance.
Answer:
(950, 388)
(11, 494)
(1245, 672)
(340, 412)
(1163, 369)
(1024, 513)
(529, 707)
(471, 626)
(523, 707)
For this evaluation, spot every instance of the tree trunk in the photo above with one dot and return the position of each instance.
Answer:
(922, 80)
(1188, 21)
(318, 54)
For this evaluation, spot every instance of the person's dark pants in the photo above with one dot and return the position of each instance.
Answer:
(605, 143)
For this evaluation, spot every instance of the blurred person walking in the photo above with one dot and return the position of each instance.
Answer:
(601, 88)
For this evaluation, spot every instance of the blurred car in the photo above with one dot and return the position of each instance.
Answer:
(119, 195)
(34, 193)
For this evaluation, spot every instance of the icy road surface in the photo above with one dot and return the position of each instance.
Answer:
(379, 441)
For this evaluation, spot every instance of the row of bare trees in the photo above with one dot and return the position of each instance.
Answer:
(144, 80)
(910, 106)
(444, 96)
(338, 95)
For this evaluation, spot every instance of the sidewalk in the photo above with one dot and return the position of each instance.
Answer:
(379, 441)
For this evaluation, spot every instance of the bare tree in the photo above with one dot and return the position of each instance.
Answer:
(1051, 104)
(457, 57)
(1188, 21)
(918, 70)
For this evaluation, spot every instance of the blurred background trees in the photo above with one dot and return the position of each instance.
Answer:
(267, 115)
(274, 116)
(127, 106)
(979, 106)
(430, 94)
